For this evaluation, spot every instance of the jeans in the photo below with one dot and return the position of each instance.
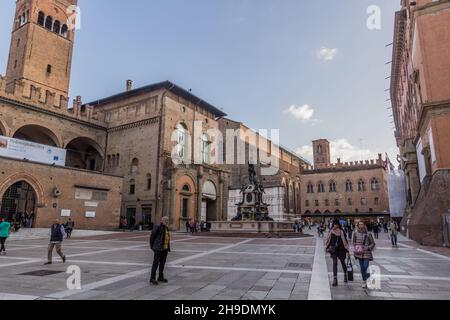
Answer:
(394, 239)
(159, 260)
(364, 265)
(2, 242)
(335, 265)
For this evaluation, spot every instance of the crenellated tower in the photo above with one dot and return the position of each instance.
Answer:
(40, 54)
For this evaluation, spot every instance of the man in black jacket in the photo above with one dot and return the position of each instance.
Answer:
(160, 244)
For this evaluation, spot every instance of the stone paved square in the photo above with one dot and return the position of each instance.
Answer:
(116, 266)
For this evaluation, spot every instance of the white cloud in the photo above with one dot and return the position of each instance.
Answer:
(327, 54)
(340, 148)
(304, 113)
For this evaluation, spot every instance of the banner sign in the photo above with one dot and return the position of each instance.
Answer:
(21, 149)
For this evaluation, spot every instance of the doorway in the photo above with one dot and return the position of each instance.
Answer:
(18, 204)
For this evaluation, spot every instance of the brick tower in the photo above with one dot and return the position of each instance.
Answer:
(42, 44)
(321, 151)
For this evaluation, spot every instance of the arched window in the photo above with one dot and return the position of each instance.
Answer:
(320, 187)
(376, 201)
(49, 23)
(134, 165)
(186, 188)
(319, 149)
(349, 201)
(307, 212)
(149, 181)
(374, 185)
(132, 186)
(332, 186)
(306, 203)
(327, 202)
(348, 186)
(310, 188)
(41, 18)
(64, 31)
(57, 27)
(206, 148)
(181, 141)
(361, 185)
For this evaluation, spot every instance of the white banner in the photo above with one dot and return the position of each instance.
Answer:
(21, 149)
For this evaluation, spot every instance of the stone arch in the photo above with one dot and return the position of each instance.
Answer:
(84, 153)
(28, 178)
(185, 201)
(38, 134)
(33, 183)
(210, 205)
(3, 129)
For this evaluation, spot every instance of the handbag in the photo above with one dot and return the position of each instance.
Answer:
(360, 248)
(349, 269)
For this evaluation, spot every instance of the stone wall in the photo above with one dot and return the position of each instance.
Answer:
(81, 191)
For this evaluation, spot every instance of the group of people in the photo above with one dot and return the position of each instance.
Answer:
(22, 220)
(337, 245)
(195, 226)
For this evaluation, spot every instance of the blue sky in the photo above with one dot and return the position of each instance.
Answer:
(259, 60)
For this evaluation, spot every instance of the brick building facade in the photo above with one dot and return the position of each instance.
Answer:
(420, 95)
(358, 188)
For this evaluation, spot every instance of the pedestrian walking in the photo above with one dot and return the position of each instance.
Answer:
(56, 239)
(376, 230)
(364, 244)
(69, 227)
(31, 220)
(5, 228)
(393, 231)
(337, 247)
(188, 227)
(160, 244)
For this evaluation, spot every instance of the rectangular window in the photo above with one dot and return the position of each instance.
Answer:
(132, 188)
(184, 208)
(307, 203)
(49, 69)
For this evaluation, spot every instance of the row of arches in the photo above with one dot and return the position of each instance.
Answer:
(82, 152)
(332, 186)
(53, 25)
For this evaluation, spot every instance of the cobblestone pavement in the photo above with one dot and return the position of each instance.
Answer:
(116, 266)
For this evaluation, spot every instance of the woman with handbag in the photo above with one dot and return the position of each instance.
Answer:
(364, 244)
(337, 246)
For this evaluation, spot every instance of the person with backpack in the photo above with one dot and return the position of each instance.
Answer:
(364, 244)
(393, 231)
(5, 228)
(337, 247)
(56, 239)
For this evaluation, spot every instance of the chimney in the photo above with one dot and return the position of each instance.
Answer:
(129, 85)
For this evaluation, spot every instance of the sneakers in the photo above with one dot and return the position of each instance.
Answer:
(163, 280)
(154, 282)
(345, 278)
(47, 263)
(64, 259)
(364, 285)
